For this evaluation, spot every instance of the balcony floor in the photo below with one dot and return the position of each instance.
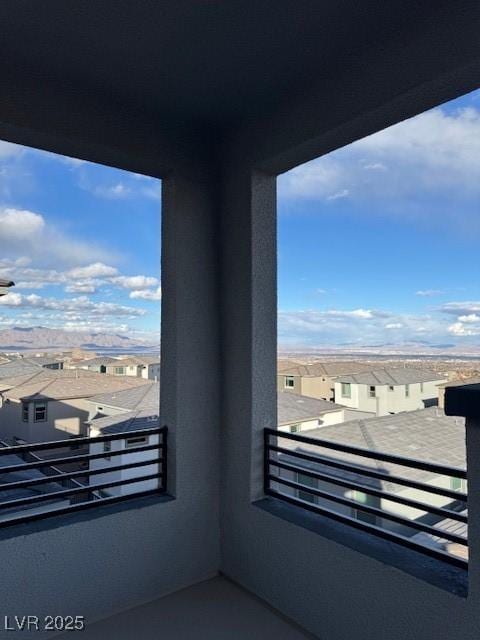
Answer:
(213, 610)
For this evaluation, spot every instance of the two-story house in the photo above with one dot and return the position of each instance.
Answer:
(391, 390)
(316, 380)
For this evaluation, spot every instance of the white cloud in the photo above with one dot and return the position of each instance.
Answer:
(429, 293)
(339, 194)
(394, 325)
(135, 282)
(71, 306)
(461, 308)
(147, 294)
(81, 287)
(16, 224)
(460, 330)
(437, 152)
(10, 150)
(471, 317)
(28, 233)
(94, 270)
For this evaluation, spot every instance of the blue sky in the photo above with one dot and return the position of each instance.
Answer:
(378, 241)
(82, 243)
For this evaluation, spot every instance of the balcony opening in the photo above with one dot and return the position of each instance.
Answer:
(378, 312)
(79, 335)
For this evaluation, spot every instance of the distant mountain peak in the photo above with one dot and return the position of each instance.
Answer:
(22, 338)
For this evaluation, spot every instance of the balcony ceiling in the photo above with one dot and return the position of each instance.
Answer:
(199, 63)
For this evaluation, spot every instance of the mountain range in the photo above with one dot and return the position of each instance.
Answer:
(28, 338)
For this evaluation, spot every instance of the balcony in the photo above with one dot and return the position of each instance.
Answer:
(35, 485)
(217, 100)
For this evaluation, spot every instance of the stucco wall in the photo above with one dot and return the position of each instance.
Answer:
(98, 564)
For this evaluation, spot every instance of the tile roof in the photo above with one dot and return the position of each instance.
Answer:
(293, 407)
(426, 434)
(17, 368)
(144, 397)
(66, 383)
(328, 368)
(124, 422)
(95, 362)
(392, 376)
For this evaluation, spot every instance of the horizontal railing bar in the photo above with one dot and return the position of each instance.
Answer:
(74, 442)
(385, 495)
(380, 513)
(21, 484)
(373, 529)
(45, 497)
(82, 457)
(379, 475)
(375, 455)
(30, 517)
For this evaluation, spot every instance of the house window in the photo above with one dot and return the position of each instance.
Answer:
(363, 498)
(371, 392)
(407, 390)
(40, 412)
(135, 442)
(294, 428)
(346, 390)
(24, 411)
(309, 482)
(390, 388)
(289, 382)
(119, 370)
(107, 447)
(456, 484)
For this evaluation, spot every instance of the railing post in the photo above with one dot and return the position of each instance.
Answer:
(464, 401)
(266, 456)
(164, 451)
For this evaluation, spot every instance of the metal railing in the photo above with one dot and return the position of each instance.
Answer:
(284, 464)
(54, 492)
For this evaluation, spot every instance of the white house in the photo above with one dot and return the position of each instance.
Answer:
(427, 434)
(385, 391)
(122, 412)
(301, 413)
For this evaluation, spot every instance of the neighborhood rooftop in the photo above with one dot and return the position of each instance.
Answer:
(324, 368)
(426, 434)
(144, 398)
(293, 407)
(128, 421)
(392, 376)
(63, 384)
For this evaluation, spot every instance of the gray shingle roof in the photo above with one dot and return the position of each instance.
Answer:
(124, 422)
(426, 434)
(146, 398)
(95, 362)
(17, 368)
(329, 368)
(392, 376)
(60, 384)
(293, 407)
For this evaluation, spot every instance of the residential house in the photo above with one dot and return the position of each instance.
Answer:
(392, 390)
(52, 405)
(299, 413)
(316, 380)
(147, 367)
(100, 364)
(126, 411)
(427, 434)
